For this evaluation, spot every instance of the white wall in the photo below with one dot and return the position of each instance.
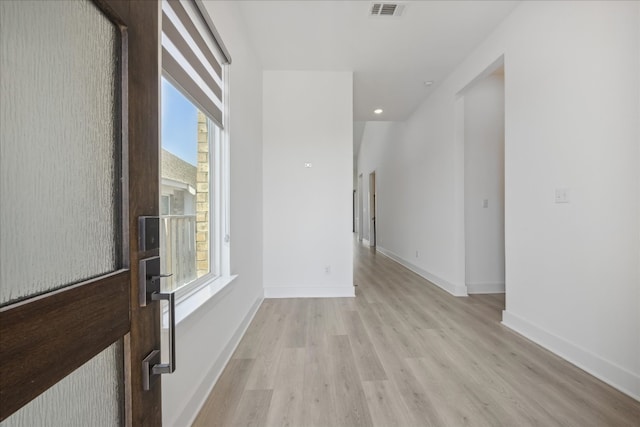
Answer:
(308, 118)
(484, 180)
(572, 111)
(572, 122)
(206, 339)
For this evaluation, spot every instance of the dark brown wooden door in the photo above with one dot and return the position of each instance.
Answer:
(55, 317)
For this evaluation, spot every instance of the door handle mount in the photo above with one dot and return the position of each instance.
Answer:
(149, 277)
(149, 284)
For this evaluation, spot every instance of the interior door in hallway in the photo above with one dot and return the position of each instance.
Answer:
(78, 166)
(360, 209)
(372, 209)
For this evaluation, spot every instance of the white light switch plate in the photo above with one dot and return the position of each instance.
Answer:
(562, 195)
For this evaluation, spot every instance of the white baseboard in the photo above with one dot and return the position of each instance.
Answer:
(485, 288)
(456, 290)
(190, 411)
(309, 292)
(617, 377)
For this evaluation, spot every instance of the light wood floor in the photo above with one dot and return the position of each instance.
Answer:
(402, 353)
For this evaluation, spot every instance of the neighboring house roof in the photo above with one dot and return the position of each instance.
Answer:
(176, 169)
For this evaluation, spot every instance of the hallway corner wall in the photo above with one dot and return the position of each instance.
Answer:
(484, 185)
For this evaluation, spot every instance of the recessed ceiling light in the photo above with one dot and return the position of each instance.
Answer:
(428, 83)
(378, 111)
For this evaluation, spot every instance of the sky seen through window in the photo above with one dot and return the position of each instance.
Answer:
(179, 124)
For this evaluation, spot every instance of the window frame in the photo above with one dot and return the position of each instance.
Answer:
(219, 200)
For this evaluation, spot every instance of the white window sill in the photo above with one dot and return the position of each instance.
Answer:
(189, 303)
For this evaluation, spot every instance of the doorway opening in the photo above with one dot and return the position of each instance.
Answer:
(484, 177)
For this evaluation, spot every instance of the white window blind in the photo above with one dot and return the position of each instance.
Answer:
(193, 55)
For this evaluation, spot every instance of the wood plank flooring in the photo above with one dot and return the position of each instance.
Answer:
(402, 353)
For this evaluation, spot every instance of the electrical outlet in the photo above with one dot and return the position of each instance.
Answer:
(327, 269)
(417, 254)
(485, 203)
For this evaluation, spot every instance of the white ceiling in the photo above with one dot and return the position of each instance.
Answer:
(390, 57)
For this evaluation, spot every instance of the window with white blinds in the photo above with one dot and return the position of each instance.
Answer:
(194, 172)
(193, 55)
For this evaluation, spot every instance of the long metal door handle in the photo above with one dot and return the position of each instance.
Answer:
(167, 368)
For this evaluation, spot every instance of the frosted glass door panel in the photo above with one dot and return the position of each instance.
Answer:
(87, 397)
(59, 129)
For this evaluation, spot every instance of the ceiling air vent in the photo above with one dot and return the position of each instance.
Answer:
(386, 9)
